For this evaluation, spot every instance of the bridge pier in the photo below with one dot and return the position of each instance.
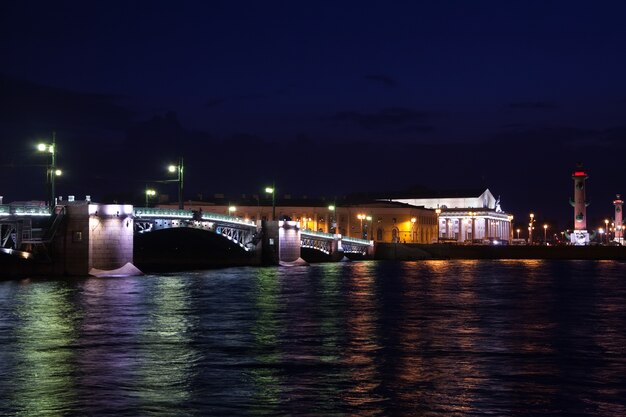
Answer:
(281, 243)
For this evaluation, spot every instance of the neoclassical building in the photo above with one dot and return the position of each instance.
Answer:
(466, 217)
(453, 217)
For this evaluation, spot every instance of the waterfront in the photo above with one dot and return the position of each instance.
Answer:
(432, 338)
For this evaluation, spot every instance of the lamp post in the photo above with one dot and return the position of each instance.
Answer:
(606, 228)
(272, 190)
(179, 169)
(601, 231)
(52, 172)
(368, 227)
(232, 210)
(530, 228)
(518, 230)
(333, 209)
(413, 221)
(361, 217)
(438, 211)
(545, 234)
(149, 193)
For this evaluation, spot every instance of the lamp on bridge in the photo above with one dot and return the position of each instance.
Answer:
(179, 169)
(52, 171)
(150, 193)
(334, 210)
(272, 190)
(232, 210)
(413, 220)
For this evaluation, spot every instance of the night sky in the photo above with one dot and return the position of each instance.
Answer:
(324, 98)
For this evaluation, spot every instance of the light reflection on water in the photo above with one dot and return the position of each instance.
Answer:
(432, 338)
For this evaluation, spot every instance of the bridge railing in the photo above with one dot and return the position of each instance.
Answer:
(225, 218)
(162, 212)
(357, 241)
(322, 235)
(24, 210)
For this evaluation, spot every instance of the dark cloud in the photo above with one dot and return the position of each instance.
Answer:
(385, 80)
(532, 105)
(252, 96)
(47, 108)
(214, 102)
(393, 117)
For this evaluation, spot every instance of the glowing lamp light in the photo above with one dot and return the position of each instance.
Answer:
(232, 209)
(331, 207)
(58, 172)
(269, 190)
(42, 147)
(172, 168)
(413, 219)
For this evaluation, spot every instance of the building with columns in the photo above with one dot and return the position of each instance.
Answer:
(469, 217)
(449, 218)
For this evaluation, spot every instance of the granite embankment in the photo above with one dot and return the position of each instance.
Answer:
(409, 251)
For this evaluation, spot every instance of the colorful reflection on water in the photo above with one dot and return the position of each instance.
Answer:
(433, 338)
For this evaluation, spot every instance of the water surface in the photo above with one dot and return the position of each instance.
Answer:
(428, 338)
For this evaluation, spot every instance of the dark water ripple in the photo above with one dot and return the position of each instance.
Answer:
(436, 338)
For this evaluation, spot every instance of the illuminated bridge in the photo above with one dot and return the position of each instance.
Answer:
(245, 233)
(81, 236)
(26, 229)
(242, 232)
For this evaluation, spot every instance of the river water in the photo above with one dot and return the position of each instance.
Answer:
(428, 338)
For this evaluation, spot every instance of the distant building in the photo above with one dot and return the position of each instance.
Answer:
(462, 217)
(466, 216)
(374, 220)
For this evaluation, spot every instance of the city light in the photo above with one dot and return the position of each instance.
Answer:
(272, 190)
(52, 171)
(179, 169)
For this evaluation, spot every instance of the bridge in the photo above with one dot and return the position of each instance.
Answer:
(78, 236)
(245, 233)
(240, 231)
(28, 229)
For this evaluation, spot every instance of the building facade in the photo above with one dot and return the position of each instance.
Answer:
(377, 221)
(466, 218)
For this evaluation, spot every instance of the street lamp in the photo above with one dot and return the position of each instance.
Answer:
(438, 211)
(149, 193)
(334, 210)
(606, 228)
(51, 172)
(545, 234)
(361, 217)
(601, 231)
(518, 230)
(272, 190)
(179, 169)
(530, 228)
(413, 221)
(368, 234)
(232, 210)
